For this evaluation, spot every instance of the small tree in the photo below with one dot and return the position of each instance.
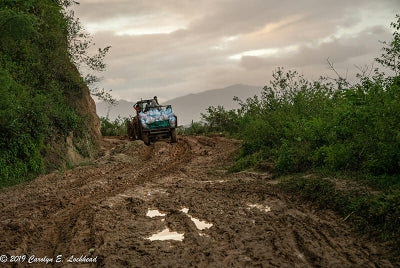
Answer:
(79, 42)
(391, 56)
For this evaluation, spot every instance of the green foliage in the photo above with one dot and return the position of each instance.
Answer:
(79, 43)
(298, 124)
(16, 25)
(38, 83)
(329, 127)
(391, 56)
(220, 120)
(113, 128)
(316, 125)
(21, 138)
(195, 128)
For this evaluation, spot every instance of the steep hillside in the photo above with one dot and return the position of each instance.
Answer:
(188, 107)
(47, 117)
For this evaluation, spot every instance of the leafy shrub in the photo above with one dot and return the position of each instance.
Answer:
(21, 138)
(300, 124)
(220, 120)
(332, 127)
(113, 128)
(194, 128)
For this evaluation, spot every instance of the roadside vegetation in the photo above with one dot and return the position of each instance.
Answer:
(116, 127)
(195, 128)
(331, 128)
(41, 47)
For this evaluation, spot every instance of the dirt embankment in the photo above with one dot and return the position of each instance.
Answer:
(110, 211)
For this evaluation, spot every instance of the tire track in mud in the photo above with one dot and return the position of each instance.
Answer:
(60, 215)
(103, 207)
(78, 212)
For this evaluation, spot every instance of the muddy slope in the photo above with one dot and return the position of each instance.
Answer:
(101, 210)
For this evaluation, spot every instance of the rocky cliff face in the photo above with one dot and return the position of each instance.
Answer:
(87, 108)
(81, 144)
(91, 140)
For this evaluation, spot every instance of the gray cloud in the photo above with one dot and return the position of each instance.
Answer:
(197, 55)
(338, 50)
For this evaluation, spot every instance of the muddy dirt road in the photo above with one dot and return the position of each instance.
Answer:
(117, 211)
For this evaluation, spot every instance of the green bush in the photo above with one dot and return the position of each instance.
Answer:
(195, 128)
(332, 128)
(113, 128)
(301, 125)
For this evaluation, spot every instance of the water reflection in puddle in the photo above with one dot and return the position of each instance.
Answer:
(185, 210)
(260, 207)
(216, 181)
(154, 213)
(201, 225)
(166, 234)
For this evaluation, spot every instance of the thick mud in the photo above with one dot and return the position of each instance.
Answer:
(111, 211)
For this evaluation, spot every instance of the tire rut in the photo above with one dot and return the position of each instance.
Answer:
(102, 208)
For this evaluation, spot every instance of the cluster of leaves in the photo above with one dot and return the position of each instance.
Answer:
(37, 80)
(116, 127)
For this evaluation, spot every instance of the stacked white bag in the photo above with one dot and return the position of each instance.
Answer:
(155, 115)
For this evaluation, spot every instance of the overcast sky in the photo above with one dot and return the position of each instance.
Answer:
(171, 48)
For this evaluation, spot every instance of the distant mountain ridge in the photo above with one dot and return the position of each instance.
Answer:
(188, 107)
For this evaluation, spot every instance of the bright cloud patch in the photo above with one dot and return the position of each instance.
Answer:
(145, 31)
(138, 25)
(264, 52)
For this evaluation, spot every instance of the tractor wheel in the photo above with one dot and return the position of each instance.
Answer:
(137, 129)
(145, 138)
(131, 131)
(134, 132)
(173, 136)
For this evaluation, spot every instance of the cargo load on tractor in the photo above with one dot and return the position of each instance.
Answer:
(152, 121)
